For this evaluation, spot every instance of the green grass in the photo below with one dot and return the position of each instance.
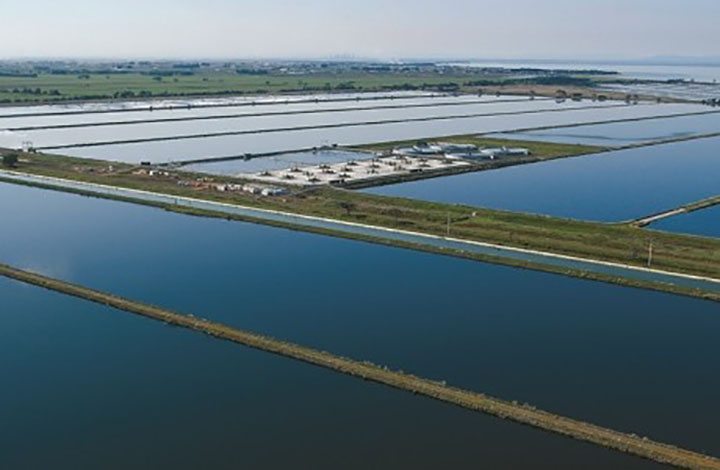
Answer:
(46, 87)
(544, 150)
(98, 86)
(522, 264)
(620, 243)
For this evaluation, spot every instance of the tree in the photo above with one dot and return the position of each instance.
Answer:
(10, 159)
(348, 206)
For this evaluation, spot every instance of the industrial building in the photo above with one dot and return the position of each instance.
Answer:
(458, 151)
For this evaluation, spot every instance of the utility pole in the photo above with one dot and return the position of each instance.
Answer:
(650, 253)
(448, 224)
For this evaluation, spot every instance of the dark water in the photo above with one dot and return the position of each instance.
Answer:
(614, 356)
(88, 387)
(625, 133)
(705, 222)
(610, 187)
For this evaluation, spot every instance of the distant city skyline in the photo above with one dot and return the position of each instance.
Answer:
(372, 29)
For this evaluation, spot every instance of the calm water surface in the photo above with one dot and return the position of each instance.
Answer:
(112, 133)
(702, 73)
(89, 387)
(705, 222)
(610, 187)
(255, 143)
(615, 356)
(265, 100)
(625, 133)
(145, 113)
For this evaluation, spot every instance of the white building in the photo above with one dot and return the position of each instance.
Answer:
(493, 153)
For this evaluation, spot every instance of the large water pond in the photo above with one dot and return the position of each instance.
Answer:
(572, 346)
(705, 222)
(610, 187)
(90, 387)
(701, 73)
(57, 116)
(90, 107)
(152, 129)
(193, 148)
(625, 133)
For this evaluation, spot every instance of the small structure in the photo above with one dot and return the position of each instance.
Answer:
(263, 190)
(229, 187)
(356, 171)
(273, 191)
(424, 149)
(418, 150)
(457, 148)
(456, 151)
(145, 171)
(493, 153)
(467, 156)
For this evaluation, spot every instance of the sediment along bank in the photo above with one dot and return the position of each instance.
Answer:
(433, 104)
(524, 414)
(321, 126)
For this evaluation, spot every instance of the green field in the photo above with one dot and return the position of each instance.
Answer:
(97, 85)
(51, 87)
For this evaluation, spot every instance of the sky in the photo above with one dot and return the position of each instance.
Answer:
(382, 29)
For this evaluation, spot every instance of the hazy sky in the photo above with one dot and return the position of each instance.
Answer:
(365, 28)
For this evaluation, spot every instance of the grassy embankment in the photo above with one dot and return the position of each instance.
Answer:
(704, 204)
(113, 86)
(619, 243)
(47, 87)
(684, 209)
(521, 413)
(539, 151)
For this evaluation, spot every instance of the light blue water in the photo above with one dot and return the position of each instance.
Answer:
(700, 81)
(158, 104)
(705, 222)
(225, 108)
(312, 223)
(277, 162)
(707, 73)
(624, 133)
(610, 187)
(144, 130)
(568, 345)
(257, 143)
